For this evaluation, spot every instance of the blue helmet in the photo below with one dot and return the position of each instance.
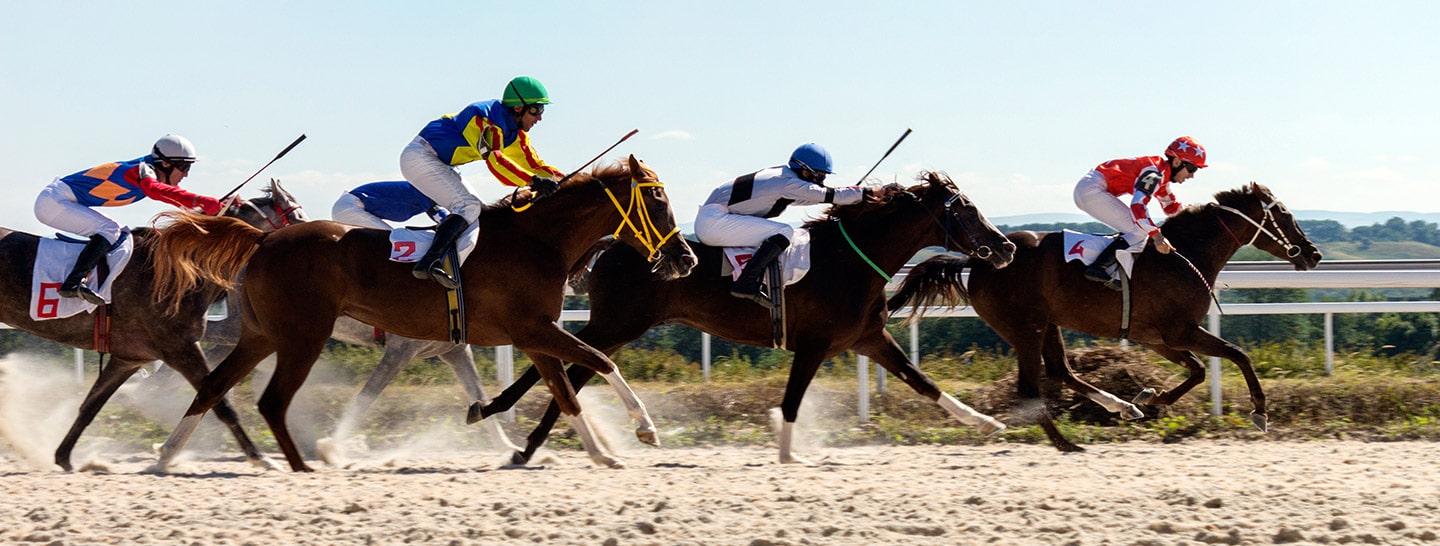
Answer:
(810, 155)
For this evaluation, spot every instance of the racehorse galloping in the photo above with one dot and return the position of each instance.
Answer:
(514, 283)
(1028, 302)
(839, 305)
(140, 328)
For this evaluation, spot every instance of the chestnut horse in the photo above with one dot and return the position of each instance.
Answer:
(839, 305)
(1028, 302)
(514, 283)
(141, 330)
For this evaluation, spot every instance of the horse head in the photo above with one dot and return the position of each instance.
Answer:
(965, 228)
(272, 211)
(1267, 216)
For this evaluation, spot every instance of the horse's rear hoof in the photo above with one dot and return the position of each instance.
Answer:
(519, 458)
(1144, 398)
(991, 427)
(1261, 421)
(648, 436)
(476, 413)
(1069, 448)
(1131, 413)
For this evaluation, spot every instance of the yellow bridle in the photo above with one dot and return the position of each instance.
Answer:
(647, 232)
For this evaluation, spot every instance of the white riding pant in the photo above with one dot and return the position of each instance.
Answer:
(1093, 196)
(438, 181)
(57, 207)
(349, 209)
(716, 226)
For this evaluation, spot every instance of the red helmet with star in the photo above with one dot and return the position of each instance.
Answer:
(1187, 149)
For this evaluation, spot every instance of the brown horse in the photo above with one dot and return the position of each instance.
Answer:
(514, 283)
(141, 330)
(1028, 302)
(839, 305)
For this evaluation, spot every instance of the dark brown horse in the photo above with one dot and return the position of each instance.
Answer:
(1028, 302)
(300, 279)
(141, 330)
(839, 305)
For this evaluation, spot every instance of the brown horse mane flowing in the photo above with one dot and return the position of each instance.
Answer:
(213, 262)
(616, 169)
(847, 213)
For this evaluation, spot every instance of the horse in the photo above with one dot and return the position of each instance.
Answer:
(513, 284)
(838, 306)
(1028, 302)
(141, 330)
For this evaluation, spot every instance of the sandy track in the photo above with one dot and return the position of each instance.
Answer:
(1199, 492)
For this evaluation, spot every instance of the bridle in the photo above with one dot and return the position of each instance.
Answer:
(983, 252)
(282, 213)
(1267, 217)
(646, 232)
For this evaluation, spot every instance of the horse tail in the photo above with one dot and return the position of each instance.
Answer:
(934, 280)
(194, 248)
(579, 276)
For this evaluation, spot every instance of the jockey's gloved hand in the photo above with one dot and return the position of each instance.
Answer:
(543, 186)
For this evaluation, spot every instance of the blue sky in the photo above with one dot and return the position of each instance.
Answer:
(1331, 104)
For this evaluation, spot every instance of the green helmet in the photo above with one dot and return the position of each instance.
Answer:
(524, 90)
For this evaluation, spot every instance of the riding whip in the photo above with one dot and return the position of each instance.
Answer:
(602, 154)
(882, 158)
(257, 173)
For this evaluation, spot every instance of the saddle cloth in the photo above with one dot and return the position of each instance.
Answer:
(407, 245)
(795, 260)
(53, 260)
(1086, 247)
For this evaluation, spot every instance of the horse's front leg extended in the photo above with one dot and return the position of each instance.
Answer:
(1199, 340)
(1184, 358)
(559, 344)
(563, 394)
(880, 346)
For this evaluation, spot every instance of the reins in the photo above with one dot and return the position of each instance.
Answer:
(1290, 249)
(982, 252)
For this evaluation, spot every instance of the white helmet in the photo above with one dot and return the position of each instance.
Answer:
(174, 148)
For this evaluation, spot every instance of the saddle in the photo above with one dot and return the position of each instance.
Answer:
(53, 260)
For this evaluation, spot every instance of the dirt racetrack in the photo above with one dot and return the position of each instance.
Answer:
(1215, 492)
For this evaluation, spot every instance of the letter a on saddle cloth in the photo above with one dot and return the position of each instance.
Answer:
(53, 260)
(409, 245)
(1086, 247)
(794, 260)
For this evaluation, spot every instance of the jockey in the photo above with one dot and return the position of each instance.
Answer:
(1143, 178)
(496, 131)
(67, 203)
(370, 205)
(738, 212)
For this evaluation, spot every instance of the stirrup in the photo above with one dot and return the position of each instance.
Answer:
(1114, 284)
(436, 272)
(759, 297)
(83, 292)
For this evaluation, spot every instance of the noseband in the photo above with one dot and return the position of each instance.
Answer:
(1267, 217)
(646, 232)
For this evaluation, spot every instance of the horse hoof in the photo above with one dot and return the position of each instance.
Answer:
(607, 461)
(1131, 413)
(1261, 421)
(475, 414)
(1144, 398)
(267, 464)
(791, 459)
(1070, 448)
(991, 427)
(518, 457)
(648, 436)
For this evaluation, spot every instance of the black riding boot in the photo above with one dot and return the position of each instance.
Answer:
(748, 286)
(90, 256)
(1099, 271)
(429, 266)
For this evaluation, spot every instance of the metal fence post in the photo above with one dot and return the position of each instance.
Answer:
(705, 356)
(1215, 394)
(862, 377)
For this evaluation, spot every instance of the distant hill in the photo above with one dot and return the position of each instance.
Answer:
(1347, 219)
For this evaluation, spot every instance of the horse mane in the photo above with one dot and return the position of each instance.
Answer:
(1237, 198)
(846, 213)
(603, 172)
(192, 248)
(936, 280)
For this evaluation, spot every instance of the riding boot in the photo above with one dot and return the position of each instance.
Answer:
(429, 266)
(90, 256)
(748, 286)
(1099, 271)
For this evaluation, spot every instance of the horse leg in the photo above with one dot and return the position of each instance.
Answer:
(292, 366)
(1057, 366)
(1031, 397)
(557, 343)
(110, 379)
(802, 370)
(1198, 340)
(462, 362)
(506, 399)
(252, 348)
(579, 376)
(1184, 358)
(398, 353)
(189, 362)
(563, 393)
(889, 355)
